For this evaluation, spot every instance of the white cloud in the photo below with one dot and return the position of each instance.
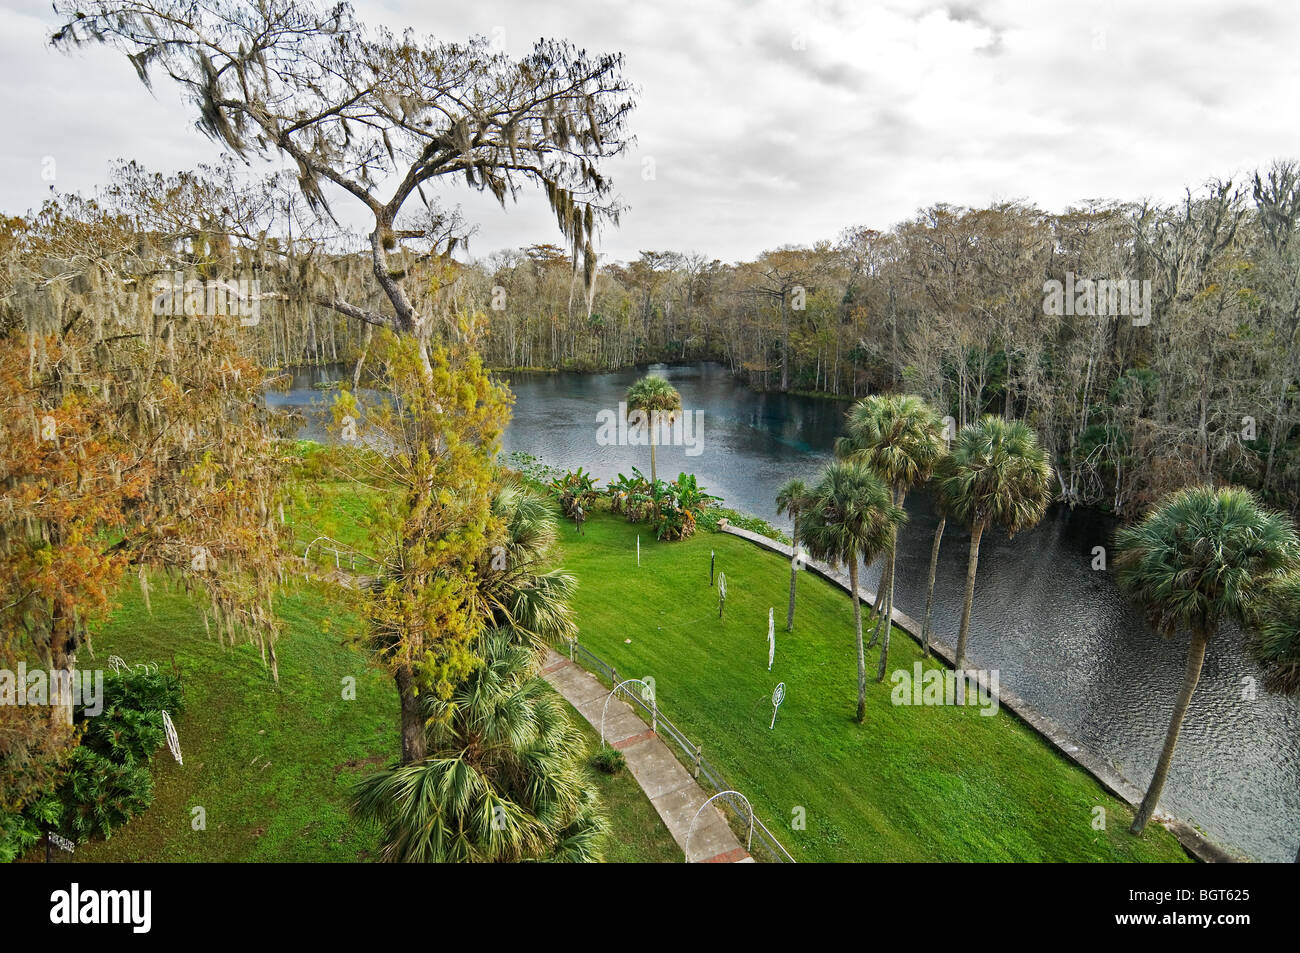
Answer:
(782, 121)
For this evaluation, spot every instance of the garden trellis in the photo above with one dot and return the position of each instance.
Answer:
(173, 742)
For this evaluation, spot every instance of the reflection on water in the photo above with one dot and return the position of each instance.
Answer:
(1060, 633)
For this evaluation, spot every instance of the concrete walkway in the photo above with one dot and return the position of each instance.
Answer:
(668, 785)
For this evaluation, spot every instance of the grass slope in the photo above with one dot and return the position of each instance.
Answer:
(912, 784)
(272, 765)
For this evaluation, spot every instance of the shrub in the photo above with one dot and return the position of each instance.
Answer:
(608, 760)
(708, 518)
(20, 832)
(99, 795)
(577, 487)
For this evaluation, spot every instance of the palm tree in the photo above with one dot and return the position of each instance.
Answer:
(937, 499)
(505, 777)
(850, 516)
(514, 588)
(1202, 555)
(788, 500)
(658, 400)
(900, 438)
(1276, 642)
(996, 475)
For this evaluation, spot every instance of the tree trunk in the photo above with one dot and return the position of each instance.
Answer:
(361, 358)
(857, 626)
(794, 574)
(882, 604)
(653, 479)
(785, 346)
(887, 619)
(414, 742)
(1195, 659)
(929, 596)
(976, 533)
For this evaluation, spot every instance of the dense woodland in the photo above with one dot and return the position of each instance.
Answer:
(949, 305)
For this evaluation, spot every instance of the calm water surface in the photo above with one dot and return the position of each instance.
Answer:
(1060, 633)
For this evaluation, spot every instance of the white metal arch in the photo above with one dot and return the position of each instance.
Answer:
(749, 841)
(654, 705)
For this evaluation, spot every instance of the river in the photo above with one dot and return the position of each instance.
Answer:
(1060, 633)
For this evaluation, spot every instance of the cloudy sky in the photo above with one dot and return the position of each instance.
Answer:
(782, 121)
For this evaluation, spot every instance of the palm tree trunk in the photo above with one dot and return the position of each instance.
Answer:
(929, 596)
(1192, 675)
(862, 655)
(653, 478)
(414, 742)
(886, 623)
(880, 610)
(794, 574)
(976, 534)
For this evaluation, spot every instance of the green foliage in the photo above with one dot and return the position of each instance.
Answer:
(710, 517)
(130, 728)
(609, 760)
(105, 780)
(849, 515)
(20, 831)
(532, 469)
(654, 395)
(1276, 642)
(997, 474)
(504, 779)
(99, 794)
(1203, 555)
(672, 509)
(897, 435)
(575, 488)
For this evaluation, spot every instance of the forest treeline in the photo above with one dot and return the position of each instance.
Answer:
(1196, 380)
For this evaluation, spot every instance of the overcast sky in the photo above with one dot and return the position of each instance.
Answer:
(782, 121)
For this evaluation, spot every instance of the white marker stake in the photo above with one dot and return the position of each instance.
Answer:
(778, 696)
(638, 552)
(771, 639)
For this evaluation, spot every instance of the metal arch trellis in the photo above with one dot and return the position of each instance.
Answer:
(749, 840)
(173, 742)
(654, 705)
(351, 553)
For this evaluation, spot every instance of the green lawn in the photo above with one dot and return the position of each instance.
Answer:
(272, 765)
(912, 783)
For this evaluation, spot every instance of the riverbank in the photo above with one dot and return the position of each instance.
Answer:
(1196, 842)
(915, 783)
